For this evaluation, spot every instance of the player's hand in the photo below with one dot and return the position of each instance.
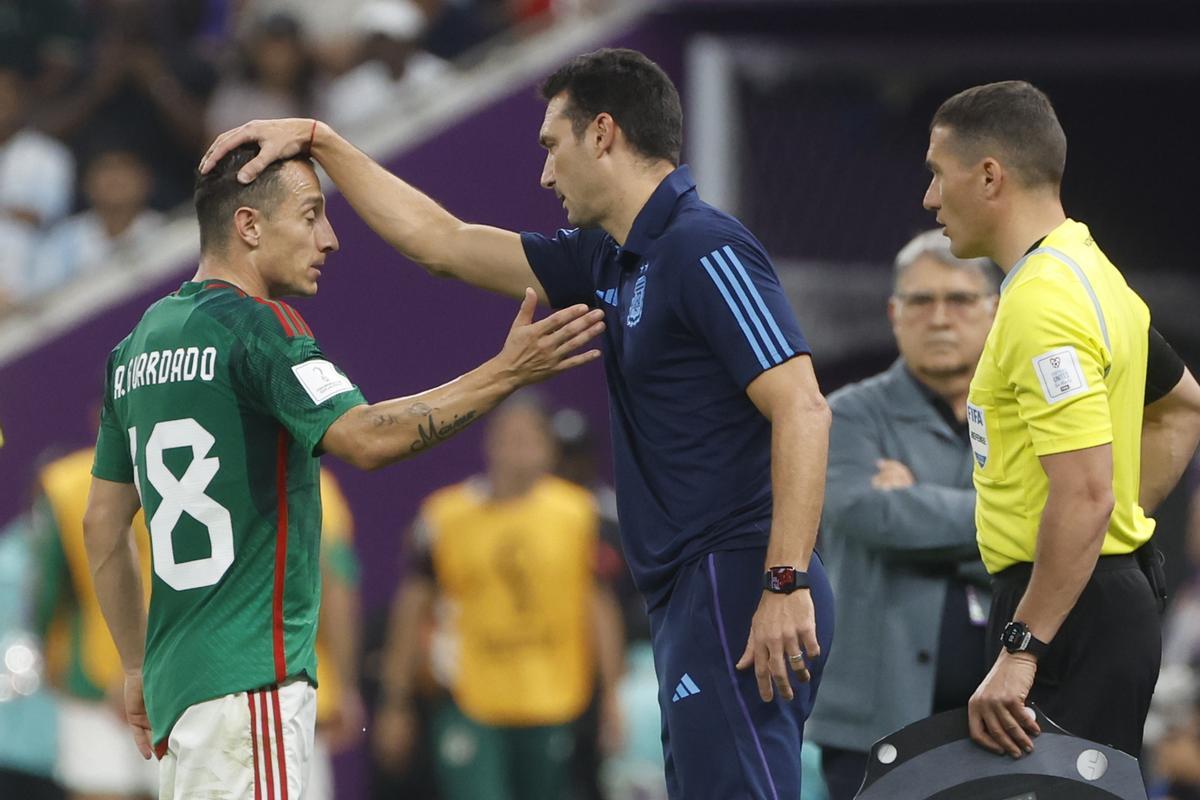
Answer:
(535, 351)
(892, 475)
(784, 625)
(998, 717)
(394, 737)
(135, 713)
(277, 138)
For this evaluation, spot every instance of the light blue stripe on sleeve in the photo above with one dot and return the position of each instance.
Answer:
(712, 273)
(758, 299)
(749, 309)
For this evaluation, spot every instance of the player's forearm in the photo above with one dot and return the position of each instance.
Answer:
(373, 436)
(1070, 536)
(799, 448)
(413, 223)
(406, 218)
(117, 577)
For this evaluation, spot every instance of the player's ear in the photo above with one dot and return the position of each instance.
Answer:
(247, 225)
(992, 177)
(602, 133)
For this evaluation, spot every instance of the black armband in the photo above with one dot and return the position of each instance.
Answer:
(1164, 367)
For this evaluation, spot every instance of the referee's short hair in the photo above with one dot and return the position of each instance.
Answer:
(632, 89)
(1017, 120)
(218, 194)
(934, 244)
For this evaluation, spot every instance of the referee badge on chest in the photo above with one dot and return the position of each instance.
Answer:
(977, 426)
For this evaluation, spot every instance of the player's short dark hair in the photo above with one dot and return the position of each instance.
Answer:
(1017, 118)
(218, 194)
(632, 89)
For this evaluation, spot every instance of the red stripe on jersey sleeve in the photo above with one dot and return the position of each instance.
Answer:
(283, 787)
(281, 538)
(283, 320)
(254, 745)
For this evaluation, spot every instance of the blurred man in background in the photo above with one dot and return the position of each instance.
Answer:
(391, 70)
(118, 222)
(899, 524)
(511, 553)
(37, 183)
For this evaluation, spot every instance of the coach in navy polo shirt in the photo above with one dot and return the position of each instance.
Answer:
(713, 401)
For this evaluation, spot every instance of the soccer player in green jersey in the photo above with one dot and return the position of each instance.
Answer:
(215, 409)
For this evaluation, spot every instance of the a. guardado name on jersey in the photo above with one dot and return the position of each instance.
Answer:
(164, 366)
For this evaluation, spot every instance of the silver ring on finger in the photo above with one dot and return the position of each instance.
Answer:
(795, 658)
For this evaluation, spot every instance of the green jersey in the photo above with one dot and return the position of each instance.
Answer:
(214, 408)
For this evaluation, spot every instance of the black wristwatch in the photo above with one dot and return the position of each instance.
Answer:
(784, 580)
(1017, 639)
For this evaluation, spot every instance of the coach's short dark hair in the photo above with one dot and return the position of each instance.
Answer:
(1014, 116)
(218, 194)
(632, 89)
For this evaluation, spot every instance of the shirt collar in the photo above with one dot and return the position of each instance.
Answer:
(652, 220)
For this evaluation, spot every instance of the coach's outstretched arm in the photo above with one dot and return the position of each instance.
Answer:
(407, 219)
(373, 436)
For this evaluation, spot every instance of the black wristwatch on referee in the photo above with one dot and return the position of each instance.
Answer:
(784, 580)
(1018, 639)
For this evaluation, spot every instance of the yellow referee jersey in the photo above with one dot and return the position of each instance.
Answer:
(1064, 368)
(519, 576)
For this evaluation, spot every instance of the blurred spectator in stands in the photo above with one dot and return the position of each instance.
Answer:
(340, 713)
(96, 756)
(1181, 628)
(275, 77)
(392, 70)
(143, 86)
(511, 553)
(37, 176)
(42, 39)
(456, 27)
(898, 532)
(117, 223)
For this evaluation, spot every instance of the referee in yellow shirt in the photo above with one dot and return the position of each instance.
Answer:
(1070, 377)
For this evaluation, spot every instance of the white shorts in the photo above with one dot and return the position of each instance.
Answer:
(96, 753)
(254, 745)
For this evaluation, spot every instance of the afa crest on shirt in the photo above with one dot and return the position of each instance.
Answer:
(635, 304)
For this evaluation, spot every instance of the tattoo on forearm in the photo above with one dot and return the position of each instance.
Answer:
(415, 410)
(434, 432)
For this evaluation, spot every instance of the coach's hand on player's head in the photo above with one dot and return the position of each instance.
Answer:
(535, 351)
(277, 138)
(784, 626)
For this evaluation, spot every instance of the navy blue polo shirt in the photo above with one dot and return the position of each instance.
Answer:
(694, 313)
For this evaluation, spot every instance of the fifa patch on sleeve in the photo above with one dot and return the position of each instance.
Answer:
(321, 380)
(1060, 374)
